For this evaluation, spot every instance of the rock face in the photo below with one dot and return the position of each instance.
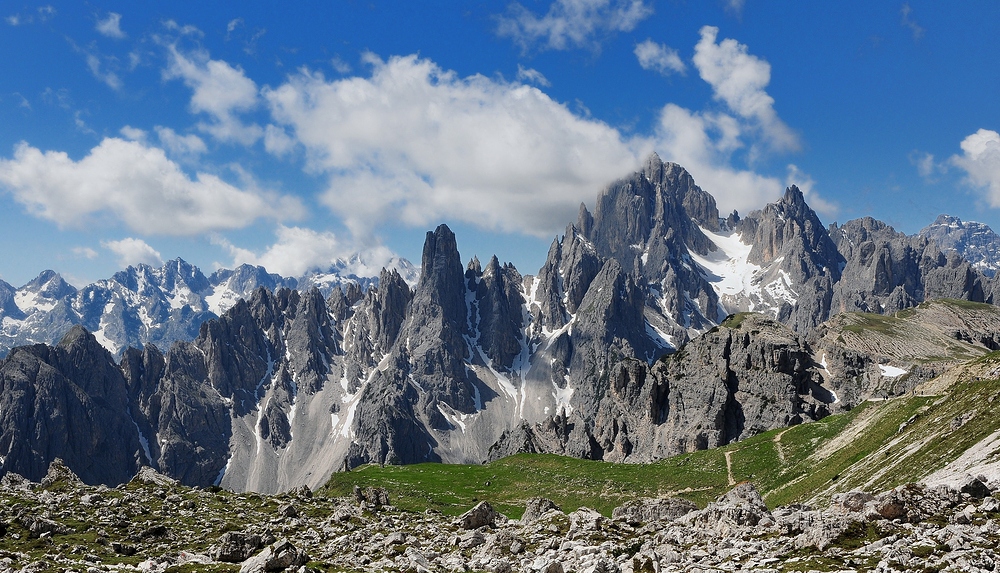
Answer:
(887, 271)
(974, 242)
(618, 349)
(70, 402)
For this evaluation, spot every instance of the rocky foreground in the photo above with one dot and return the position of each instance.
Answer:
(154, 524)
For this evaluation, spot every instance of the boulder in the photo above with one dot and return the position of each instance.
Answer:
(647, 510)
(58, 471)
(150, 476)
(236, 547)
(536, 507)
(481, 515)
(276, 557)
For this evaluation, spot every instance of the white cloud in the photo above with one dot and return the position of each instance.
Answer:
(980, 160)
(232, 25)
(927, 167)
(111, 26)
(108, 77)
(907, 21)
(735, 6)
(133, 133)
(180, 145)
(571, 23)
(85, 252)
(339, 65)
(419, 144)
(132, 251)
(220, 91)
(277, 141)
(137, 185)
(703, 143)
(532, 76)
(44, 14)
(299, 250)
(659, 58)
(738, 79)
(807, 185)
(185, 30)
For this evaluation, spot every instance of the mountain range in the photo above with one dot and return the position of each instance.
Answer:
(654, 327)
(145, 305)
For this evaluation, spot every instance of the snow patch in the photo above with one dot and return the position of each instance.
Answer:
(728, 268)
(222, 299)
(891, 371)
(30, 302)
(659, 338)
(563, 397)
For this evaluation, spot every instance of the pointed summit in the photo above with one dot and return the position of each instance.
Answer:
(653, 167)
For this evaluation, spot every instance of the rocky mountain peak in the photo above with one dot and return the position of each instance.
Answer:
(973, 241)
(49, 284)
(8, 307)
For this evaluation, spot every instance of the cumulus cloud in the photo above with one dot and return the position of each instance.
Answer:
(418, 144)
(137, 185)
(111, 26)
(298, 250)
(571, 23)
(132, 251)
(180, 145)
(980, 160)
(133, 133)
(339, 65)
(220, 91)
(277, 141)
(738, 79)
(659, 58)
(532, 76)
(807, 185)
(703, 143)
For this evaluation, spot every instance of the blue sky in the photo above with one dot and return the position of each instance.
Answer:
(290, 136)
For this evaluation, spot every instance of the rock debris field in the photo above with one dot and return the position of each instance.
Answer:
(153, 524)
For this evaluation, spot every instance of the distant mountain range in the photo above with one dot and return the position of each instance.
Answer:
(142, 305)
(975, 242)
(631, 343)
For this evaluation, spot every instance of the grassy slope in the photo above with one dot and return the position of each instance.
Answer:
(864, 448)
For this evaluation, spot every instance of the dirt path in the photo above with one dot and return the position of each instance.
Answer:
(729, 467)
(777, 444)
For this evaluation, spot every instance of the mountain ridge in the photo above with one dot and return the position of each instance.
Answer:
(474, 362)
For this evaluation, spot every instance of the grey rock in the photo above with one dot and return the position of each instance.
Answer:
(974, 487)
(471, 540)
(536, 507)
(741, 506)
(851, 502)
(148, 475)
(288, 510)
(646, 510)
(482, 515)
(236, 547)
(38, 526)
(279, 556)
(372, 496)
